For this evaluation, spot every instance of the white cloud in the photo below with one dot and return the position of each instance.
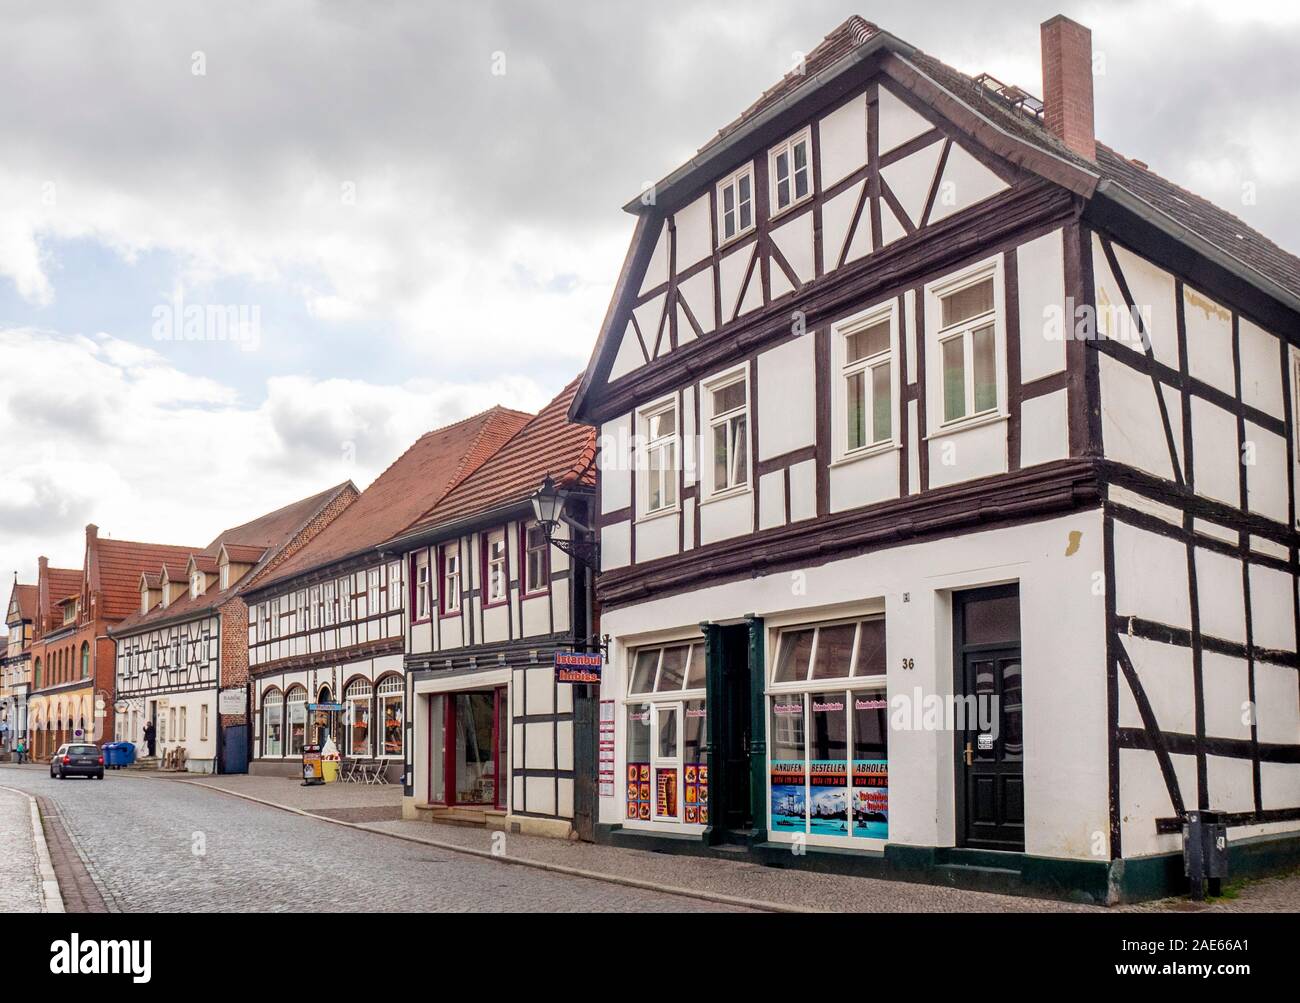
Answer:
(98, 430)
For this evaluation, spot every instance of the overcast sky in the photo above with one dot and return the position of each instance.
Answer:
(421, 200)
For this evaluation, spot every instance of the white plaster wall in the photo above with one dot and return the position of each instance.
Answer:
(1215, 457)
(1044, 428)
(843, 140)
(787, 408)
(1040, 273)
(723, 518)
(1209, 340)
(864, 480)
(1062, 624)
(656, 537)
(694, 233)
(1261, 368)
(965, 454)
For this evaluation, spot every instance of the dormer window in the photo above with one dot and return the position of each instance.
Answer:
(196, 584)
(736, 204)
(144, 599)
(790, 168)
(223, 577)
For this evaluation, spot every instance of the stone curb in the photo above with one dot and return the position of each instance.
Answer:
(541, 865)
(51, 896)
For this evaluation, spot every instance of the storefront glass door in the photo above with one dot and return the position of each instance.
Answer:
(468, 747)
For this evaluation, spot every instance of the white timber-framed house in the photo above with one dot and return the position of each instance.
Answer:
(914, 397)
(326, 632)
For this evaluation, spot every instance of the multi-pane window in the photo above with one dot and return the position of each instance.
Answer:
(968, 350)
(868, 384)
(729, 433)
(315, 606)
(736, 203)
(223, 577)
(196, 584)
(450, 559)
(535, 558)
(372, 591)
(394, 586)
(790, 167)
(494, 565)
(347, 605)
(421, 577)
(659, 426)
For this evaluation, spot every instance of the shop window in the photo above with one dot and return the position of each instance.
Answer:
(358, 697)
(829, 744)
(295, 704)
(667, 778)
(391, 696)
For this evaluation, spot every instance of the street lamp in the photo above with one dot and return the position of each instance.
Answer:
(548, 509)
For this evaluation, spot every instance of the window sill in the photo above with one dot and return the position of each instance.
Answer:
(737, 237)
(782, 213)
(735, 492)
(848, 459)
(661, 513)
(979, 421)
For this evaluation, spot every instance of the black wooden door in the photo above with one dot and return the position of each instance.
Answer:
(735, 718)
(990, 728)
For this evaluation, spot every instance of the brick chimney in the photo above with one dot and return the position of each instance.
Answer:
(42, 594)
(1067, 84)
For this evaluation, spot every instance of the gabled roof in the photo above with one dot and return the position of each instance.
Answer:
(27, 597)
(121, 562)
(239, 554)
(548, 444)
(419, 478)
(1008, 129)
(63, 582)
(277, 528)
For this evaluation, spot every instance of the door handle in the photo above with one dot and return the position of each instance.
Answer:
(970, 755)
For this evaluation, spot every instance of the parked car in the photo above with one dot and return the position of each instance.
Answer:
(77, 759)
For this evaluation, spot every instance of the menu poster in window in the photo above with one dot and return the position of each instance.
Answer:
(788, 795)
(871, 798)
(666, 793)
(695, 790)
(605, 750)
(638, 791)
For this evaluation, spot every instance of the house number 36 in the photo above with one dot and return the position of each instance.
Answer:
(909, 664)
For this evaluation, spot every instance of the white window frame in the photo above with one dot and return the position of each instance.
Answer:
(532, 587)
(803, 136)
(708, 419)
(935, 292)
(841, 330)
(732, 180)
(644, 415)
(449, 571)
(495, 568)
(223, 577)
(203, 722)
(422, 583)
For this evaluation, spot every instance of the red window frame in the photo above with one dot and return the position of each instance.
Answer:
(485, 547)
(523, 563)
(443, 610)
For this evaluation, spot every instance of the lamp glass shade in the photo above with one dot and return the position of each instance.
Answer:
(547, 502)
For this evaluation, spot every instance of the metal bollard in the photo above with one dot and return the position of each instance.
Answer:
(1205, 853)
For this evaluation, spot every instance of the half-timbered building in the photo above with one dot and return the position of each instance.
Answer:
(16, 664)
(491, 599)
(182, 658)
(325, 631)
(72, 688)
(948, 472)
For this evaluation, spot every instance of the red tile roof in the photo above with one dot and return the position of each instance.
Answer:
(549, 444)
(275, 528)
(1226, 232)
(63, 582)
(120, 564)
(420, 477)
(28, 597)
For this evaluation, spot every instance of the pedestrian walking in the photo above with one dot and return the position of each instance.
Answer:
(21, 750)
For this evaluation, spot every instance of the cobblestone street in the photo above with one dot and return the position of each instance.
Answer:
(154, 845)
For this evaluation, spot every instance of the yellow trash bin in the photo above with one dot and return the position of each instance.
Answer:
(330, 770)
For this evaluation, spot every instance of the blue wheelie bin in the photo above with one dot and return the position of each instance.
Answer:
(118, 754)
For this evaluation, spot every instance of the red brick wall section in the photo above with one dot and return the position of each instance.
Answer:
(1067, 84)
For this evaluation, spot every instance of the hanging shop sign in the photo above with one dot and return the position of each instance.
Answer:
(578, 667)
(230, 701)
(326, 707)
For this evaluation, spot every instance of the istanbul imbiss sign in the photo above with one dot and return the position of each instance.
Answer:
(577, 667)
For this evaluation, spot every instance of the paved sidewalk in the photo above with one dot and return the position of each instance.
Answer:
(346, 802)
(20, 883)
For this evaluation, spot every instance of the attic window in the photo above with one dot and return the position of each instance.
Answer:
(196, 584)
(736, 204)
(224, 577)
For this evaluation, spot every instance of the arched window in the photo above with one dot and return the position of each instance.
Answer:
(391, 691)
(85, 659)
(295, 713)
(273, 723)
(36, 679)
(357, 697)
